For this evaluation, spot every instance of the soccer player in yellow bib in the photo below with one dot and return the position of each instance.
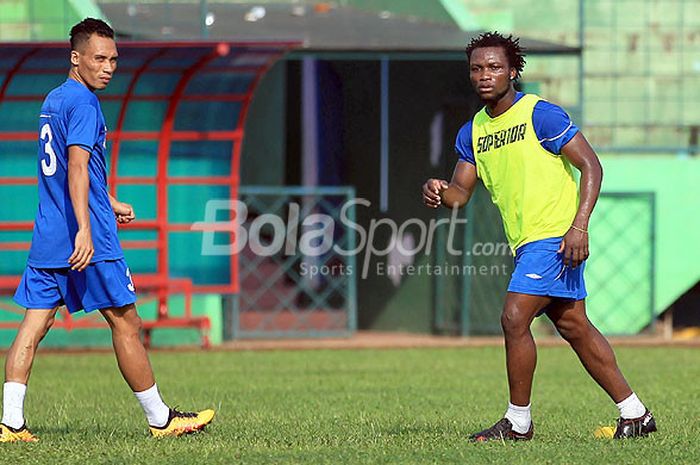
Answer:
(523, 148)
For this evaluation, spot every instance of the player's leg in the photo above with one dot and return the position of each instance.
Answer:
(598, 358)
(18, 366)
(38, 291)
(107, 286)
(594, 351)
(521, 358)
(521, 353)
(132, 358)
(35, 324)
(110, 281)
(135, 367)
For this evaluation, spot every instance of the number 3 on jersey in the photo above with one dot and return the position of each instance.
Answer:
(49, 169)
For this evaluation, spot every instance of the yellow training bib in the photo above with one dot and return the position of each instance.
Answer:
(533, 188)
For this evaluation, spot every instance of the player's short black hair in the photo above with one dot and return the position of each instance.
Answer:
(511, 45)
(81, 32)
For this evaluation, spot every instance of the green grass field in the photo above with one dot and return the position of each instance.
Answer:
(360, 406)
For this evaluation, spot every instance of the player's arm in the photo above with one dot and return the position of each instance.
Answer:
(79, 187)
(580, 153)
(123, 212)
(457, 192)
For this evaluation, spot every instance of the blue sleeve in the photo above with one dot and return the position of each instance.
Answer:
(553, 127)
(83, 127)
(463, 144)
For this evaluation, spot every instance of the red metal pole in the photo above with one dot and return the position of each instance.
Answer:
(163, 157)
(120, 119)
(15, 69)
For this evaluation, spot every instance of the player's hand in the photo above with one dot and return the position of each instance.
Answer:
(83, 252)
(123, 212)
(574, 246)
(432, 190)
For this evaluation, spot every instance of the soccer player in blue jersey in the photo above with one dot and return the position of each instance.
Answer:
(75, 257)
(522, 148)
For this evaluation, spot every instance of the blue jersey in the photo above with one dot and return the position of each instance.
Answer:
(551, 123)
(71, 115)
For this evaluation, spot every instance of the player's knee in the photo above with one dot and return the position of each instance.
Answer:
(123, 320)
(572, 330)
(513, 320)
(127, 326)
(137, 324)
(36, 331)
(132, 325)
(47, 326)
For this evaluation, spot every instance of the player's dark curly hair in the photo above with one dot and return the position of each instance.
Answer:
(511, 45)
(81, 32)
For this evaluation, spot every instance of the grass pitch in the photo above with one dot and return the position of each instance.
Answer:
(355, 407)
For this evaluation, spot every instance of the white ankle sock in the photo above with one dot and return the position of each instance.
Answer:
(631, 407)
(519, 417)
(153, 406)
(13, 404)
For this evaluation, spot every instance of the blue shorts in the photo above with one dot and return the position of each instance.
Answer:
(105, 284)
(540, 270)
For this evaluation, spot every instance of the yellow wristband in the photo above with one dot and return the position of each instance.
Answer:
(579, 229)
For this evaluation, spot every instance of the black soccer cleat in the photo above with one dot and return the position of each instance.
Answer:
(635, 427)
(502, 431)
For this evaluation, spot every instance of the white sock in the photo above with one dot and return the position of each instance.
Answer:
(631, 407)
(13, 404)
(153, 406)
(519, 417)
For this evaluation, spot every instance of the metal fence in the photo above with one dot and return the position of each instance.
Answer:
(290, 285)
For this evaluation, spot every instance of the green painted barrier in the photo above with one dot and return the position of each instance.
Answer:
(674, 181)
(202, 305)
(620, 270)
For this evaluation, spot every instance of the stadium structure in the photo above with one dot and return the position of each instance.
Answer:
(297, 108)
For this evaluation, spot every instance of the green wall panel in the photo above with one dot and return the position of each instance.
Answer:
(202, 305)
(675, 183)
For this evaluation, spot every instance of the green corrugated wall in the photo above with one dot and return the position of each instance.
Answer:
(38, 20)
